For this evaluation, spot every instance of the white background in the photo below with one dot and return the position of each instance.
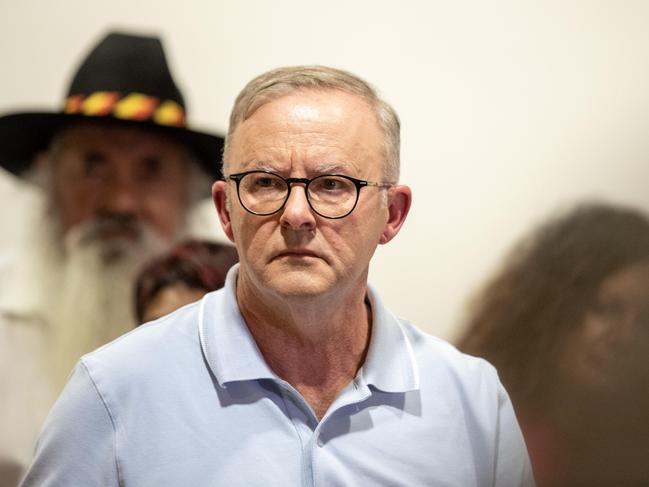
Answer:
(510, 109)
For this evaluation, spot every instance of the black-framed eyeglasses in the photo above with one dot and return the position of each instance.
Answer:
(331, 196)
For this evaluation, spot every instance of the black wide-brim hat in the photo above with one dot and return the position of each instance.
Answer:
(124, 80)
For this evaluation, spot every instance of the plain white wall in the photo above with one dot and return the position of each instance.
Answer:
(509, 109)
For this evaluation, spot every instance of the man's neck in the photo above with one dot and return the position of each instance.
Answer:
(315, 345)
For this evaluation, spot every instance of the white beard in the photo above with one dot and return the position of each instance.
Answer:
(83, 289)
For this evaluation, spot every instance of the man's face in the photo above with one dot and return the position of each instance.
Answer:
(296, 252)
(119, 174)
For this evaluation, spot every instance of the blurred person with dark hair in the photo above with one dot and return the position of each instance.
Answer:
(566, 323)
(182, 276)
(120, 170)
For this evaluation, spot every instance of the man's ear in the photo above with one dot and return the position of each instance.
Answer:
(399, 200)
(220, 198)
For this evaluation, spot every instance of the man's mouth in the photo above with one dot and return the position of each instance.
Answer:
(114, 228)
(118, 233)
(297, 254)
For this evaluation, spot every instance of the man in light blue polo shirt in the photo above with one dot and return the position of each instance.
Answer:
(294, 373)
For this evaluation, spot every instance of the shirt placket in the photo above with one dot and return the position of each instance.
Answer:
(309, 430)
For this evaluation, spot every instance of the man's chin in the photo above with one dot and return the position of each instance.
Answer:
(298, 283)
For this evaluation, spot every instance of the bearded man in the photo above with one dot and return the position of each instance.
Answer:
(120, 170)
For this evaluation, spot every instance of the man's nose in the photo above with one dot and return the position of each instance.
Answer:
(119, 195)
(297, 213)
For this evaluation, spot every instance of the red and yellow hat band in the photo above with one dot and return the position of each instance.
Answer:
(133, 106)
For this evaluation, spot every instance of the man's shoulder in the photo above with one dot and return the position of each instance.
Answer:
(149, 347)
(426, 342)
(437, 357)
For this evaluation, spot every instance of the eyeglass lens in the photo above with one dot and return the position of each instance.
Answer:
(330, 196)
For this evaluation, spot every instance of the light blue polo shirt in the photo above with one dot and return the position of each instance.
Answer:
(188, 400)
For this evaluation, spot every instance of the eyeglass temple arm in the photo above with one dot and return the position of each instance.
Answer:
(376, 185)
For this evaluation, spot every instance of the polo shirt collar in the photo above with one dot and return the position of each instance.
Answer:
(233, 355)
(390, 365)
(228, 346)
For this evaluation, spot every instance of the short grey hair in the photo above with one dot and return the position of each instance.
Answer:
(283, 81)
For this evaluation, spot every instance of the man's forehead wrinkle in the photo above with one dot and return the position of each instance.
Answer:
(308, 136)
(285, 142)
(321, 157)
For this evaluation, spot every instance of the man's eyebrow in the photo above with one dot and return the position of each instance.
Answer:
(266, 166)
(255, 165)
(330, 167)
(325, 167)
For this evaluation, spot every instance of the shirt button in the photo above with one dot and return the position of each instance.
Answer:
(320, 442)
